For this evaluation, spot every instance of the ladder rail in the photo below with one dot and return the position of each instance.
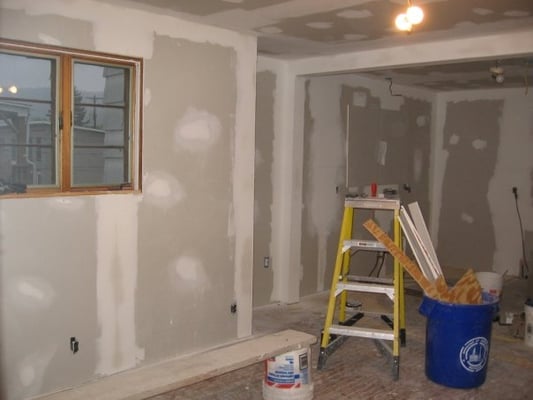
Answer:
(346, 231)
(334, 334)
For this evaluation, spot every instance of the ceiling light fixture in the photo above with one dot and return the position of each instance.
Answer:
(412, 16)
(497, 73)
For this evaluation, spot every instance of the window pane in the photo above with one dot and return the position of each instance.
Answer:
(101, 125)
(27, 119)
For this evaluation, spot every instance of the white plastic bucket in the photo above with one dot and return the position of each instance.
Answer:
(491, 283)
(528, 332)
(288, 376)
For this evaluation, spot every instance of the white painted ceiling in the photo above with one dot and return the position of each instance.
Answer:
(301, 28)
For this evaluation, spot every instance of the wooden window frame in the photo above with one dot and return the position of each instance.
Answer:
(64, 125)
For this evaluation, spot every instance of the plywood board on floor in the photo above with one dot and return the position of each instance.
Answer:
(141, 383)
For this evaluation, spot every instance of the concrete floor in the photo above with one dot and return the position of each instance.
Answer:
(359, 371)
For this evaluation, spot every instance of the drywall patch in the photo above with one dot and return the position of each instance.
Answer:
(319, 25)
(147, 98)
(31, 292)
(189, 274)
(50, 40)
(359, 99)
(479, 144)
(454, 139)
(32, 368)
(197, 130)
(516, 14)
(355, 14)
(467, 218)
(354, 36)
(381, 157)
(465, 24)
(162, 189)
(116, 283)
(421, 121)
(482, 11)
(66, 203)
(270, 30)
(418, 164)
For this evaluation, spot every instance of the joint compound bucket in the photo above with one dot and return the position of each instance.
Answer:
(457, 341)
(288, 376)
(491, 283)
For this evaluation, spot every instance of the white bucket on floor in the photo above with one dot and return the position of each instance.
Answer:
(491, 283)
(528, 333)
(288, 376)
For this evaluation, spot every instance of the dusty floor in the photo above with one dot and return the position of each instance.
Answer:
(359, 371)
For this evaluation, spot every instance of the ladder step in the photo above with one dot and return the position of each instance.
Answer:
(382, 334)
(367, 245)
(364, 287)
(372, 203)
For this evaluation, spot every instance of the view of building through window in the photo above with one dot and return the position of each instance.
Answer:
(38, 127)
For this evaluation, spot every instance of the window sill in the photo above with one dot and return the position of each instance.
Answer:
(73, 193)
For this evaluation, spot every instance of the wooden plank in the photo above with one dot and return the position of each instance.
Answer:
(421, 227)
(141, 383)
(467, 290)
(406, 262)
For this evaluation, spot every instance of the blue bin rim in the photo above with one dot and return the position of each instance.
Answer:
(429, 303)
(488, 299)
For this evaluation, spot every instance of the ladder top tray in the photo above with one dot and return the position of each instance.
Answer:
(382, 203)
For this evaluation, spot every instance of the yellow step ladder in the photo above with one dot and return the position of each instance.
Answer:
(334, 334)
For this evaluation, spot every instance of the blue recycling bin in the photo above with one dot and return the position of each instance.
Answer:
(458, 341)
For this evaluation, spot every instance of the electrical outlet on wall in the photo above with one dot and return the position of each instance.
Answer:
(74, 345)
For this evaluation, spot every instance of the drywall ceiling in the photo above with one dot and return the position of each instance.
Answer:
(301, 28)
(516, 73)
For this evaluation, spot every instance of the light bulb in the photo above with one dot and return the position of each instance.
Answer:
(500, 78)
(13, 89)
(415, 15)
(1, 89)
(402, 22)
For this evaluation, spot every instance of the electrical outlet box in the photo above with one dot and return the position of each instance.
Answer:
(74, 345)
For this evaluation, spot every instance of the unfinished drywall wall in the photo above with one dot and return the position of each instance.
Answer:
(136, 278)
(263, 188)
(484, 139)
(389, 143)
(190, 269)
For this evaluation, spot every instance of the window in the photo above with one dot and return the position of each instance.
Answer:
(69, 120)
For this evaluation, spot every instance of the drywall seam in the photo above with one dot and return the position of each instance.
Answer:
(116, 283)
(277, 68)
(296, 267)
(512, 168)
(438, 160)
(285, 276)
(439, 155)
(243, 181)
(326, 146)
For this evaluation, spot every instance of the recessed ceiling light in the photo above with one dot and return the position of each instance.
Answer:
(412, 16)
(415, 15)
